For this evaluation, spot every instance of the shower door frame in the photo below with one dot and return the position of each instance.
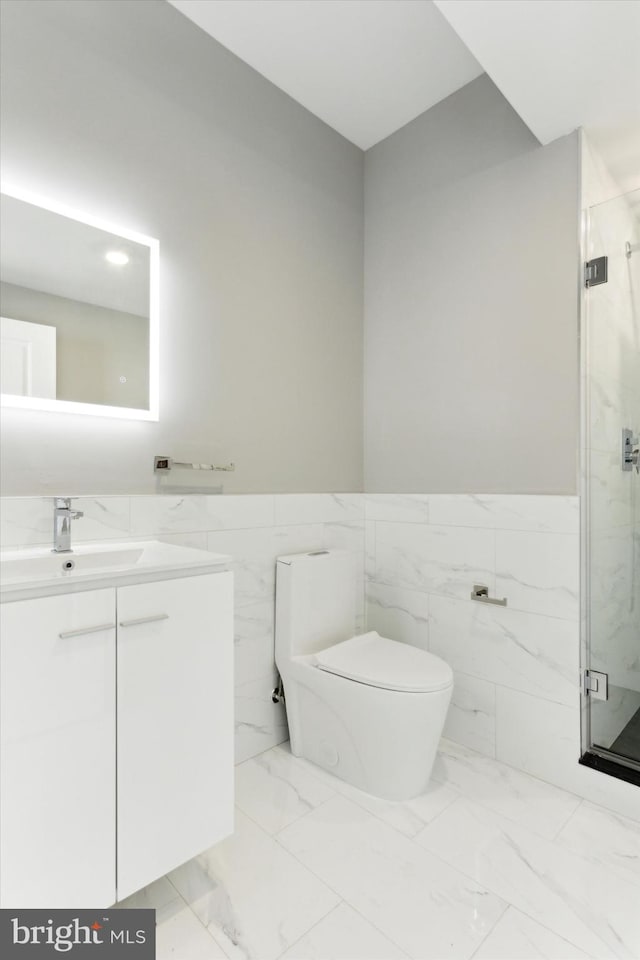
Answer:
(596, 757)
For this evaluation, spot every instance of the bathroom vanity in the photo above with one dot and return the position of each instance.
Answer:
(116, 718)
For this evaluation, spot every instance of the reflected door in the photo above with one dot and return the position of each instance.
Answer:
(27, 359)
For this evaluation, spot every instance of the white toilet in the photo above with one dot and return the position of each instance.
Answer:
(368, 709)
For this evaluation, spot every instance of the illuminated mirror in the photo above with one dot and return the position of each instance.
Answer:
(79, 312)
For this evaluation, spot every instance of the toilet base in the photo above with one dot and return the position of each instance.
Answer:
(381, 741)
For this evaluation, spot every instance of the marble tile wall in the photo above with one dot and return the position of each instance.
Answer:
(424, 553)
(254, 530)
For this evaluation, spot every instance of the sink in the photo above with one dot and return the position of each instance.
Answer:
(40, 572)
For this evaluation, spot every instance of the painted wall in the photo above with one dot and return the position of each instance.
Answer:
(95, 346)
(471, 304)
(127, 110)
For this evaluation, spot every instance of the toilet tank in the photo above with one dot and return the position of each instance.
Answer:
(315, 602)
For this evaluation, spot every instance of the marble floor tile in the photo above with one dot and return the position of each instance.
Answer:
(344, 935)
(274, 789)
(255, 898)
(539, 806)
(407, 816)
(605, 838)
(518, 937)
(583, 902)
(430, 910)
(160, 896)
(181, 936)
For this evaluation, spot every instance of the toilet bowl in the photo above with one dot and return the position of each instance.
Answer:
(366, 708)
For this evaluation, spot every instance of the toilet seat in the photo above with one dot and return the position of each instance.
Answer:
(380, 662)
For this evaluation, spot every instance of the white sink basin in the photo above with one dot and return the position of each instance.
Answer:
(40, 572)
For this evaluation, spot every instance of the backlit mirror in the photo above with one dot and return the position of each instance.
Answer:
(79, 325)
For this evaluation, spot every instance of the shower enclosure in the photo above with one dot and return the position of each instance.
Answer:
(610, 337)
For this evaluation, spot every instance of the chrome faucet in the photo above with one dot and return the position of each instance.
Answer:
(62, 517)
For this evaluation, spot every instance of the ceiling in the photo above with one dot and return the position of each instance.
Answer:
(563, 64)
(365, 67)
(46, 251)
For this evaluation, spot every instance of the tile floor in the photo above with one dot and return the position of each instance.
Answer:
(490, 863)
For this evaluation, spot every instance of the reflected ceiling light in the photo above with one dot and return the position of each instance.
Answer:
(117, 257)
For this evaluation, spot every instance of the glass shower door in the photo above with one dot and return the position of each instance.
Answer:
(611, 371)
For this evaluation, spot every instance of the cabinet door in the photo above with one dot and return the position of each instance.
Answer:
(175, 723)
(57, 792)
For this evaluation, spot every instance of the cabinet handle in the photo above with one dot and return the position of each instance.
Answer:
(135, 623)
(79, 633)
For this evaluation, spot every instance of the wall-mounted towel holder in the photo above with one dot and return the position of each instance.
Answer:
(481, 594)
(164, 464)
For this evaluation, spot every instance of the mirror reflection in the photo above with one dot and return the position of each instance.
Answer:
(75, 306)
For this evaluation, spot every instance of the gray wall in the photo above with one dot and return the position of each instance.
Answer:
(126, 110)
(471, 332)
(95, 346)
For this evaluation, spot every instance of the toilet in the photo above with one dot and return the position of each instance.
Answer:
(368, 709)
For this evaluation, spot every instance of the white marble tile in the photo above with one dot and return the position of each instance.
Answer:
(407, 816)
(539, 572)
(400, 507)
(299, 538)
(160, 896)
(440, 560)
(26, 521)
(518, 937)
(525, 651)
(471, 718)
(369, 550)
(318, 508)
(274, 789)
(254, 897)
(604, 838)
(511, 793)
(183, 514)
(342, 934)
(538, 736)
(399, 614)
(181, 936)
(416, 901)
(551, 514)
(259, 723)
(197, 539)
(345, 535)
(253, 644)
(253, 564)
(588, 906)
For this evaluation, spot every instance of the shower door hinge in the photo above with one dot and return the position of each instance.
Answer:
(596, 271)
(596, 684)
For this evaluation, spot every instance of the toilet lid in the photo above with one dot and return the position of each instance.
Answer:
(380, 662)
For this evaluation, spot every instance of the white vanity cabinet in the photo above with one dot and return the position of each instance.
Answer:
(175, 724)
(116, 737)
(58, 751)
